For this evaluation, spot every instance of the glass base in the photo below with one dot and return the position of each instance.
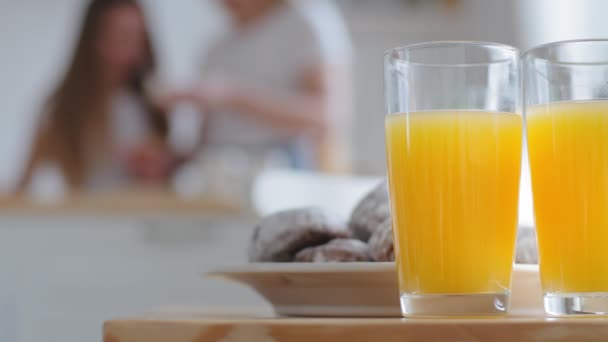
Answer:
(582, 303)
(482, 304)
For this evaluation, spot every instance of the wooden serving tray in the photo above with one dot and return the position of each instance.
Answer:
(205, 328)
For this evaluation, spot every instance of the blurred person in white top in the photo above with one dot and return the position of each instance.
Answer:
(279, 82)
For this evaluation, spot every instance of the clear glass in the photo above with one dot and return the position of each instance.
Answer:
(453, 142)
(566, 92)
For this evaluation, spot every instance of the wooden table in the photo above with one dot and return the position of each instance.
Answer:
(124, 202)
(248, 326)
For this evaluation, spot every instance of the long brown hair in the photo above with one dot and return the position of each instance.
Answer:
(80, 101)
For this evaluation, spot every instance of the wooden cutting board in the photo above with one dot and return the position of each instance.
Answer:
(192, 327)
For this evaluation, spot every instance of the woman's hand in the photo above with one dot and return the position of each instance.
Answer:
(220, 92)
(169, 101)
(214, 93)
(150, 162)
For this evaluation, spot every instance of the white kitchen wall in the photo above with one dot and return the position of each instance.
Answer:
(544, 21)
(34, 40)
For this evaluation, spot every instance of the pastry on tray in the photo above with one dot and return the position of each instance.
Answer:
(280, 236)
(381, 243)
(338, 250)
(371, 211)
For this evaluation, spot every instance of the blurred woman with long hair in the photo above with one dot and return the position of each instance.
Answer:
(98, 127)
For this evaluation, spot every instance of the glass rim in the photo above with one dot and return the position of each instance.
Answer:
(530, 53)
(454, 43)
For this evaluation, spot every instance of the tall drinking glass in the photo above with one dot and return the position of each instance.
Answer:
(567, 123)
(453, 142)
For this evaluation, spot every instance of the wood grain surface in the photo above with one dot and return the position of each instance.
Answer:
(208, 329)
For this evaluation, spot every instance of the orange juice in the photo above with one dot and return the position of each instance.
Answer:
(568, 151)
(454, 184)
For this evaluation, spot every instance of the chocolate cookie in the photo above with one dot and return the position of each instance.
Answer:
(338, 250)
(381, 244)
(371, 211)
(526, 252)
(280, 236)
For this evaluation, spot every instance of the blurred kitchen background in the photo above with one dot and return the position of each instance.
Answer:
(37, 39)
(66, 271)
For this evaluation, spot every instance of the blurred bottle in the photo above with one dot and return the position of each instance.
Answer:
(185, 118)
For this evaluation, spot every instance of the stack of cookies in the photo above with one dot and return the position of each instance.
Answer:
(310, 235)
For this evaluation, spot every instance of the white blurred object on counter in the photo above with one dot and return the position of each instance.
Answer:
(185, 126)
(278, 189)
(225, 173)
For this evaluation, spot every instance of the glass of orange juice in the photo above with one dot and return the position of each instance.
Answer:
(567, 129)
(453, 144)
